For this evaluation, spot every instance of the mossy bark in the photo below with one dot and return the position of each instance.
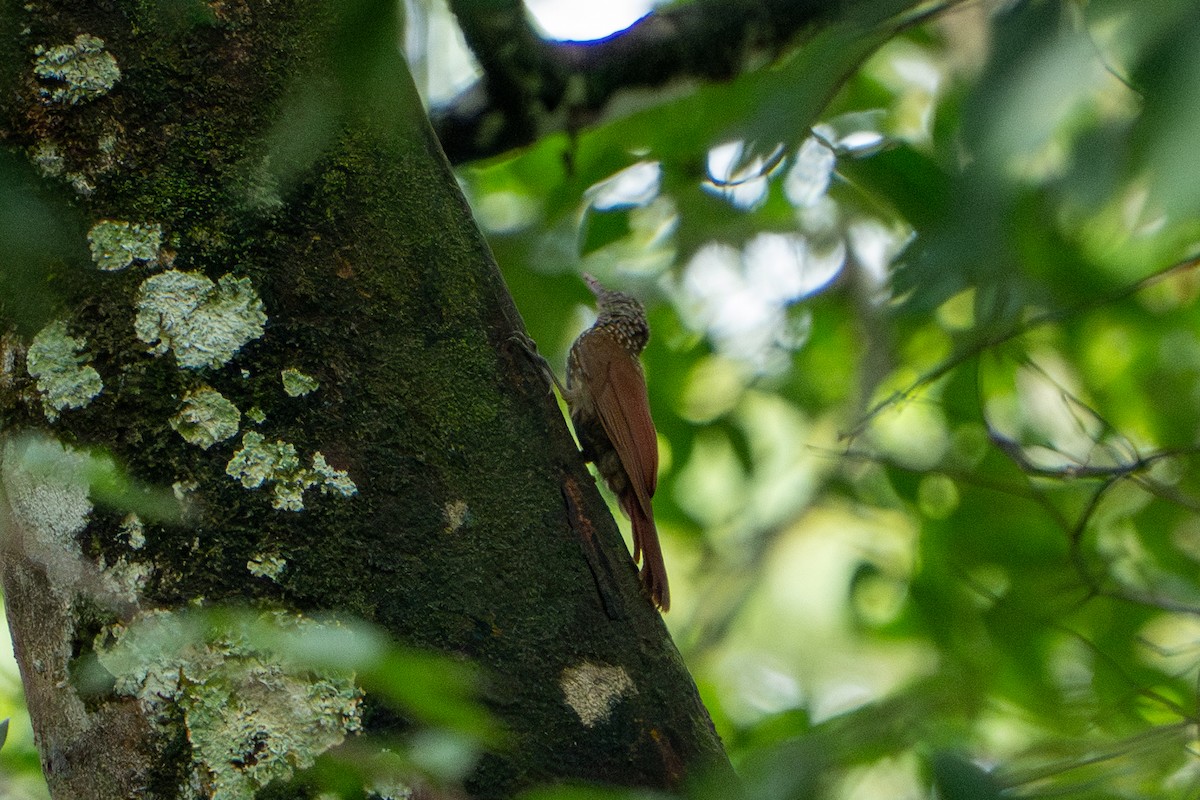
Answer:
(282, 144)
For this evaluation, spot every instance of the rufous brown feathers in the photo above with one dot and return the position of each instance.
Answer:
(614, 383)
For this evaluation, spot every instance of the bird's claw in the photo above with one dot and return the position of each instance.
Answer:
(528, 346)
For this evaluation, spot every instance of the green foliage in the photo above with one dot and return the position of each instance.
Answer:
(589, 793)
(925, 367)
(926, 370)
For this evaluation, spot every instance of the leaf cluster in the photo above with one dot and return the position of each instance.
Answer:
(924, 368)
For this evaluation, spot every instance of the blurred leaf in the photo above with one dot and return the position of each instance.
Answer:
(436, 689)
(901, 175)
(41, 237)
(956, 778)
(1168, 76)
(791, 771)
(44, 459)
(602, 228)
(367, 83)
(577, 792)
(766, 106)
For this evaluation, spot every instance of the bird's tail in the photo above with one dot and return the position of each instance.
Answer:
(647, 550)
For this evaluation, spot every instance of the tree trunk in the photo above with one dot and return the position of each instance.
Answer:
(289, 315)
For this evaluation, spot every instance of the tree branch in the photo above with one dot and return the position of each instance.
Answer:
(989, 341)
(532, 87)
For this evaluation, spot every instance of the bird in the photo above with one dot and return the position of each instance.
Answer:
(606, 397)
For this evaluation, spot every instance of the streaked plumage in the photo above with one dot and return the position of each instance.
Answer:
(610, 409)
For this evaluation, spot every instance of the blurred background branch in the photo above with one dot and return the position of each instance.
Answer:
(532, 86)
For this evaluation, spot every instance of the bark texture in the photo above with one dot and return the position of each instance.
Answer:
(266, 210)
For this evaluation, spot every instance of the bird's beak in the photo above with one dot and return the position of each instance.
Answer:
(593, 284)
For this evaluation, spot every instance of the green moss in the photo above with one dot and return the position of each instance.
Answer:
(206, 418)
(252, 715)
(256, 415)
(115, 245)
(297, 384)
(74, 73)
(63, 375)
(452, 410)
(203, 323)
(260, 462)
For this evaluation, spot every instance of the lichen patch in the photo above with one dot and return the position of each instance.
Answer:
(593, 690)
(252, 716)
(259, 462)
(335, 481)
(126, 579)
(297, 384)
(134, 531)
(202, 322)
(206, 418)
(267, 565)
(64, 377)
(77, 72)
(182, 490)
(260, 724)
(116, 244)
(457, 513)
(46, 485)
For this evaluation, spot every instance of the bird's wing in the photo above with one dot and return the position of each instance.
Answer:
(618, 390)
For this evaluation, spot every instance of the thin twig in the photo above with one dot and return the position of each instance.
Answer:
(1046, 318)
